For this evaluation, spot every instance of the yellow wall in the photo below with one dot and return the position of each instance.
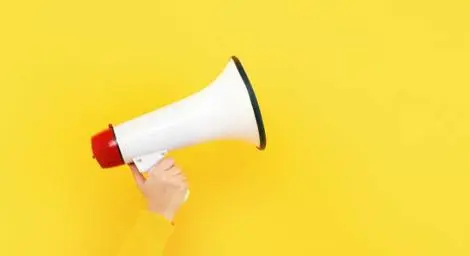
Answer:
(366, 105)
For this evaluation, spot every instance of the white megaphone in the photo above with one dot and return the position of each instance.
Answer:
(226, 109)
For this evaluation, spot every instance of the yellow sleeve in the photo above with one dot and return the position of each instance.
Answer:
(148, 236)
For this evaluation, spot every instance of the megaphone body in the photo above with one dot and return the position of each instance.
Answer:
(225, 109)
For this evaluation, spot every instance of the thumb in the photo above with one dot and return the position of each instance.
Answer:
(138, 177)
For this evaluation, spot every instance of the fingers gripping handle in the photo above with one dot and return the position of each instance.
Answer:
(146, 162)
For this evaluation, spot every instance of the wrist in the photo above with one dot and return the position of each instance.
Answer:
(168, 215)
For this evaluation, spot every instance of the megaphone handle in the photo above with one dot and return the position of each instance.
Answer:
(145, 163)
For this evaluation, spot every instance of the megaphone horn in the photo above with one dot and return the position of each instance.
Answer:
(226, 109)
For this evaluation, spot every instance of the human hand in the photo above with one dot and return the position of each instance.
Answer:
(165, 188)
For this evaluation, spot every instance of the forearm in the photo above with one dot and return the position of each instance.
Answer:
(148, 236)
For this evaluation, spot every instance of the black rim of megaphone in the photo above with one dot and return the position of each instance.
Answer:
(254, 103)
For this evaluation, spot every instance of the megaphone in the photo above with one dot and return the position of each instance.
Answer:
(227, 109)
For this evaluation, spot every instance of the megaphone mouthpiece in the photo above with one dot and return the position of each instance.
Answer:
(106, 150)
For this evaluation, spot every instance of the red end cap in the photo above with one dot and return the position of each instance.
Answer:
(105, 149)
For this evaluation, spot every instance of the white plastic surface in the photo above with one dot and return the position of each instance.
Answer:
(146, 162)
(222, 110)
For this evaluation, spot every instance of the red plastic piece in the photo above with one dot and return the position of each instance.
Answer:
(106, 149)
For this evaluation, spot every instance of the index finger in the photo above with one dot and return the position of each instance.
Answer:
(162, 166)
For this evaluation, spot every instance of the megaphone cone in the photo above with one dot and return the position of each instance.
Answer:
(227, 109)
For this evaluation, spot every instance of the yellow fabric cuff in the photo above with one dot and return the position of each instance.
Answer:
(148, 236)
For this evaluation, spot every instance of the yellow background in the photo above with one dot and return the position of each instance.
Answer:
(366, 105)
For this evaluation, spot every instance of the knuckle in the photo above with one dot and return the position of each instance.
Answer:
(168, 161)
(164, 163)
